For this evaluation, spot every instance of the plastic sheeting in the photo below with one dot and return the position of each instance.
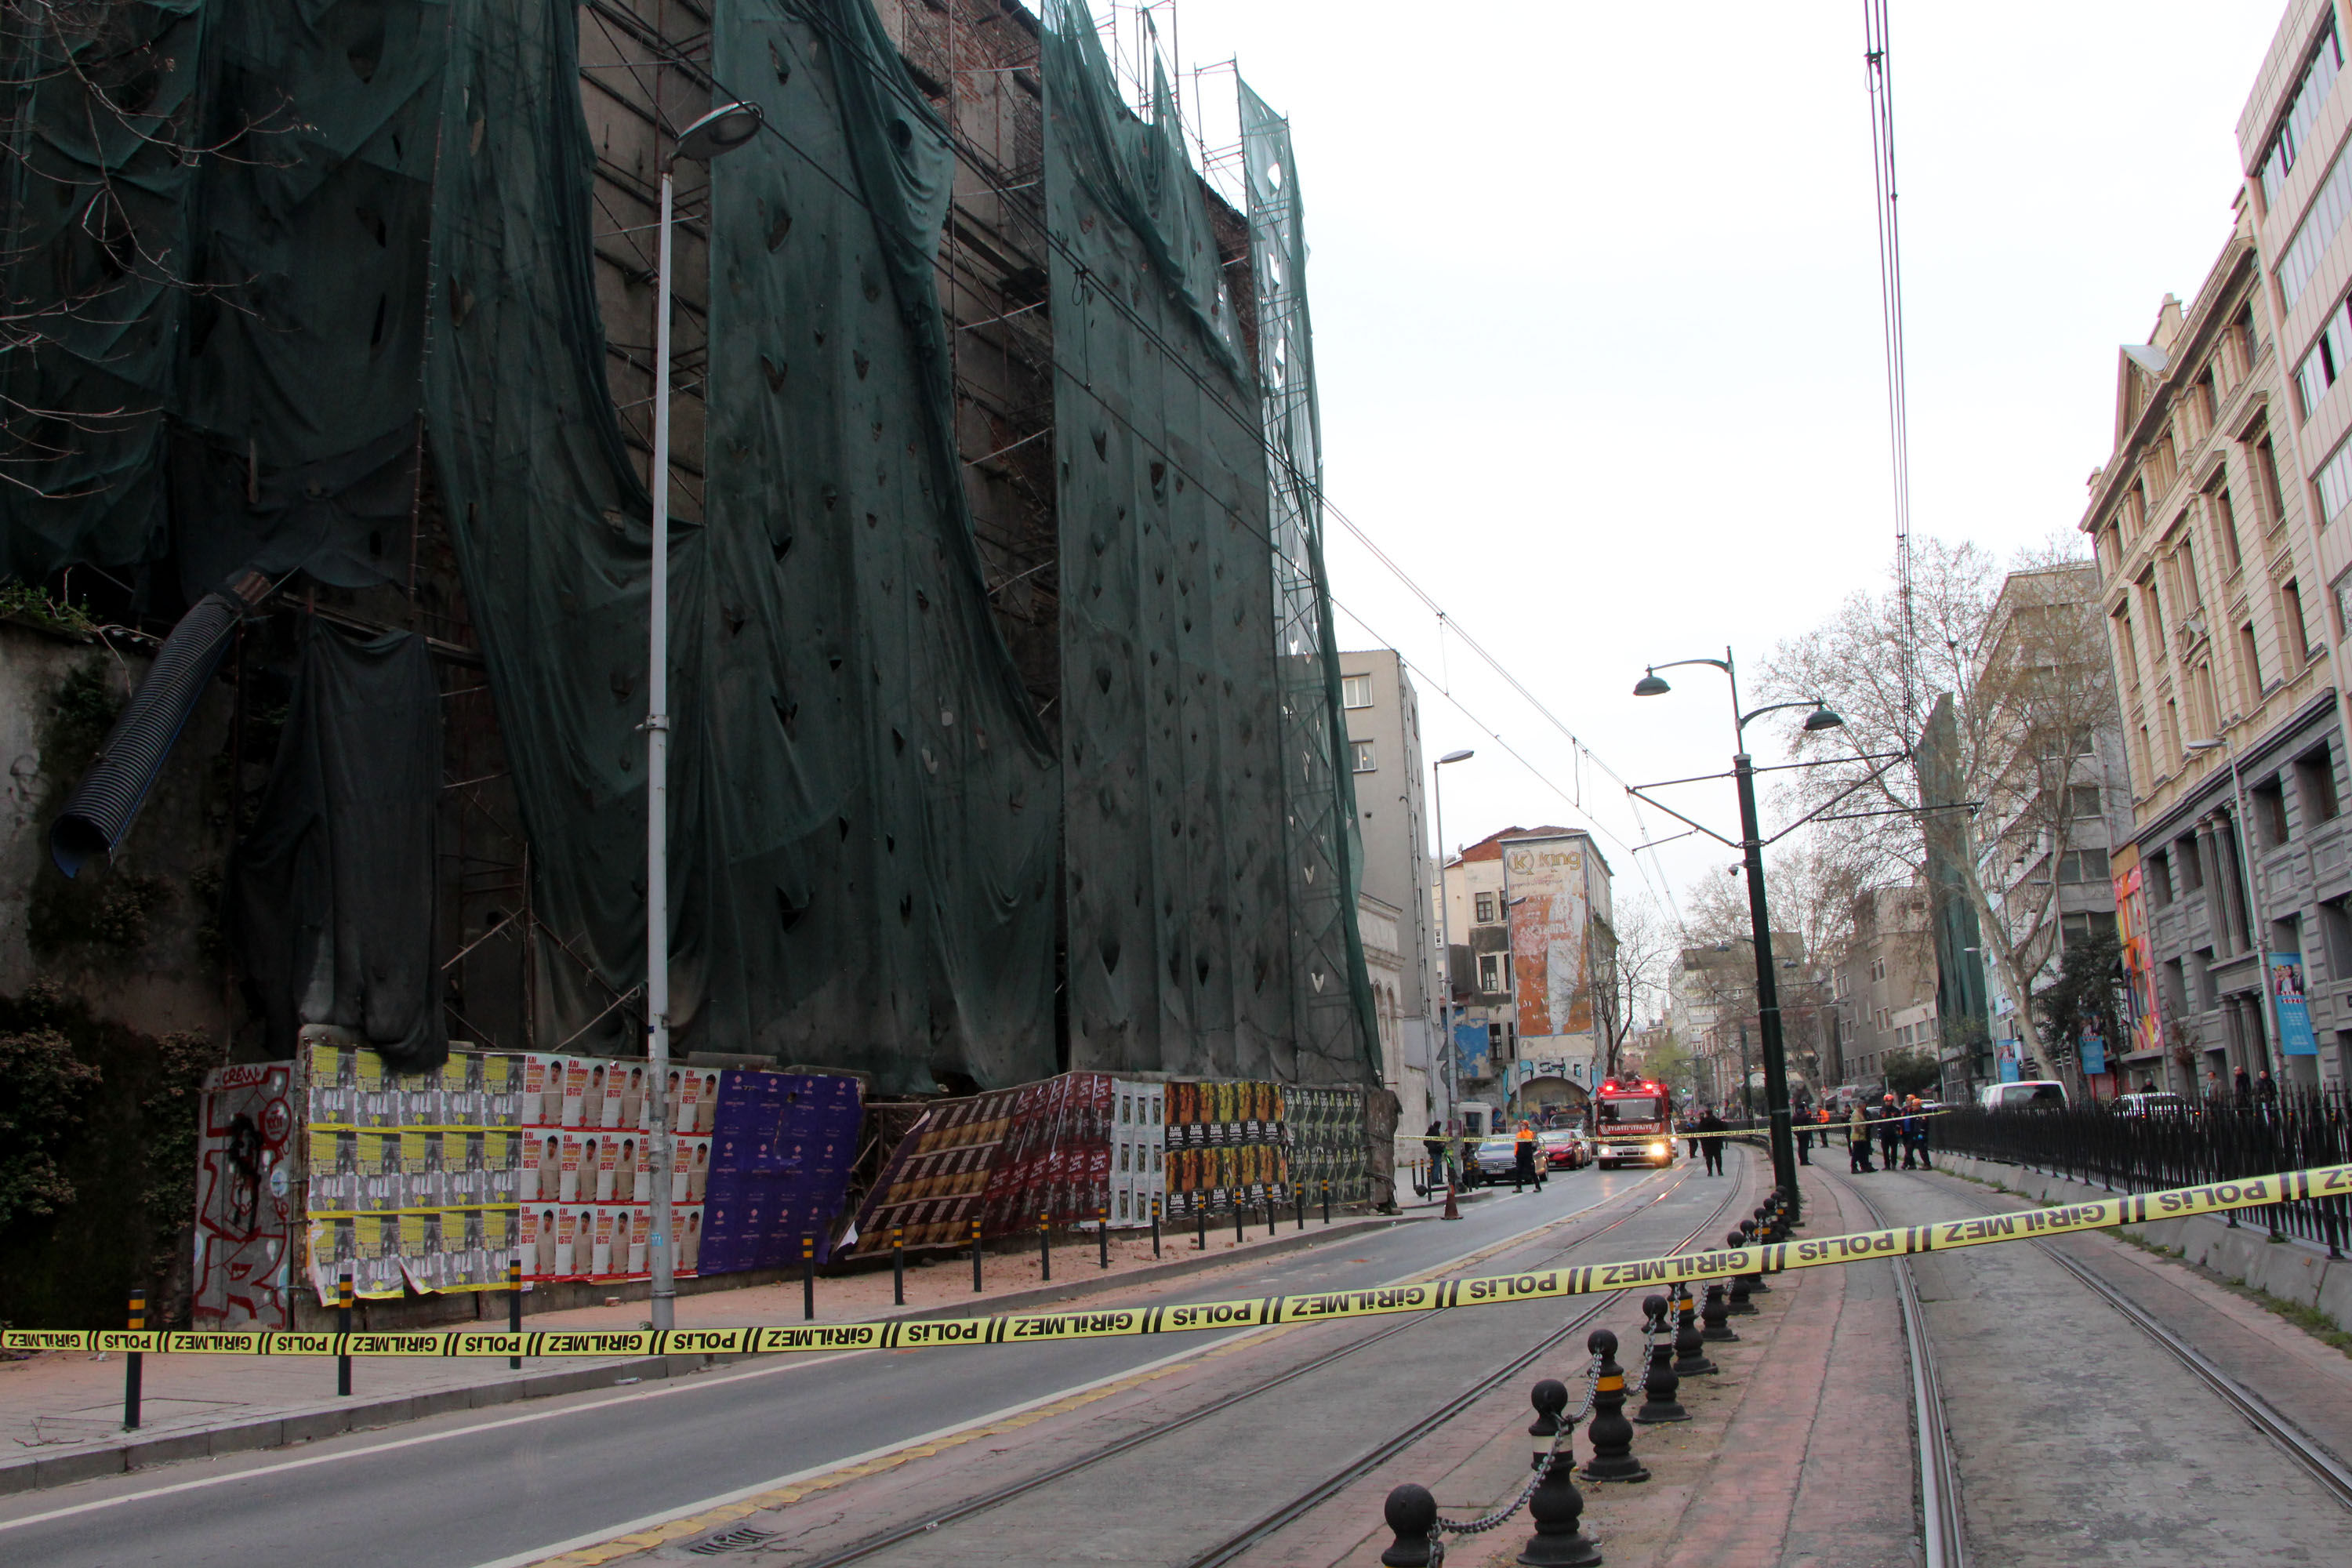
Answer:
(334, 886)
(1188, 951)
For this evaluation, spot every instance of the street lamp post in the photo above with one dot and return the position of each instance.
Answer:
(723, 130)
(1445, 945)
(1751, 849)
(2257, 917)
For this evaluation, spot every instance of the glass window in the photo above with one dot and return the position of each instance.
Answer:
(2287, 143)
(2328, 209)
(1490, 972)
(1356, 691)
(1365, 763)
(1486, 906)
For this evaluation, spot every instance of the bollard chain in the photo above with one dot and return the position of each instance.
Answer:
(1539, 1468)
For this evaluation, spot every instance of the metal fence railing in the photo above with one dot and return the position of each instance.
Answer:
(2218, 1141)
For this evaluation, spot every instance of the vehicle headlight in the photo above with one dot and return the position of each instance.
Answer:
(1657, 1149)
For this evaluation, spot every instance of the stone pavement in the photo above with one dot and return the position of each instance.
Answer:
(60, 1414)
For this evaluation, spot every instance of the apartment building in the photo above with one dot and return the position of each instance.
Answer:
(2224, 602)
(1884, 984)
(1383, 715)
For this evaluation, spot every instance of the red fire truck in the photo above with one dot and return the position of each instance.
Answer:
(1635, 1122)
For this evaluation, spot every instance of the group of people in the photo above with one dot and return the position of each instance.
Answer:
(1898, 1126)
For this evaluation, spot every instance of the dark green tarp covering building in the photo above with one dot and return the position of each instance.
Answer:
(878, 861)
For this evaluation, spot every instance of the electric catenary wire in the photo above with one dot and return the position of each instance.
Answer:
(1879, 78)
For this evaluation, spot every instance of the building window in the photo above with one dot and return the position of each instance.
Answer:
(1490, 972)
(2192, 869)
(2249, 660)
(2329, 210)
(2329, 358)
(1356, 691)
(2083, 866)
(2315, 779)
(2082, 801)
(2268, 800)
(2342, 591)
(2266, 480)
(2225, 522)
(1486, 906)
(1494, 1041)
(2294, 125)
(2291, 616)
(2083, 924)
(1364, 761)
(2335, 929)
(2158, 878)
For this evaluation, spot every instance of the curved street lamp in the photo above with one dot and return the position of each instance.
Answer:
(1759, 921)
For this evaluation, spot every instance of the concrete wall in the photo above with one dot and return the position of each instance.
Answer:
(136, 940)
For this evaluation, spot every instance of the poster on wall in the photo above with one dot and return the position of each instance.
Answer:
(2143, 1023)
(2295, 1036)
(2008, 1059)
(1545, 892)
(247, 1203)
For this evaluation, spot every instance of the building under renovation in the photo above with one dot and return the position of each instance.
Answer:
(1004, 731)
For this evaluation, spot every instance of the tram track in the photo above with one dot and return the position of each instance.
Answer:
(2333, 1476)
(1226, 1550)
(1943, 1535)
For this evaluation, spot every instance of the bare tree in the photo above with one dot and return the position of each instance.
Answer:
(1632, 978)
(2021, 660)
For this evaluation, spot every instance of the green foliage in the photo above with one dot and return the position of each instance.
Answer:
(29, 603)
(48, 1087)
(2084, 995)
(168, 1124)
(1910, 1070)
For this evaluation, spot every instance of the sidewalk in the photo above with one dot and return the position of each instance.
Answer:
(61, 1412)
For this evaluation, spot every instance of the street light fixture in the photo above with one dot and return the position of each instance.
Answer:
(724, 129)
(1445, 946)
(2257, 917)
(1751, 847)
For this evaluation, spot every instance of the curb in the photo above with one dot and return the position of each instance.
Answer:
(40, 1472)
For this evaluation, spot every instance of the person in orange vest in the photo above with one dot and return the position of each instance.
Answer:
(1530, 1168)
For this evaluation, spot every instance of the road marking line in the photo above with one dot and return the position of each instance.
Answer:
(697, 1384)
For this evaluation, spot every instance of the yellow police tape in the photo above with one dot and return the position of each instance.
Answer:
(1112, 1322)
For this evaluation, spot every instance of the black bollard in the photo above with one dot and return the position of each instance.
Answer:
(1612, 1436)
(1690, 1360)
(1271, 1224)
(1045, 1248)
(975, 1257)
(514, 1308)
(1411, 1513)
(1658, 1388)
(1557, 1505)
(808, 1278)
(1713, 1315)
(1298, 1202)
(1737, 1303)
(134, 1363)
(898, 1264)
(1102, 1235)
(1240, 1234)
(1201, 1222)
(1155, 1227)
(1327, 1200)
(343, 1327)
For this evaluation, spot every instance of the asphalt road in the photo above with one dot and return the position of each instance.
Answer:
(498, 1485)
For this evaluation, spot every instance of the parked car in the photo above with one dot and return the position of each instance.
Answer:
(1495, 1158)
(1564, 1148)
(2156, 1104)
(2032, 1094)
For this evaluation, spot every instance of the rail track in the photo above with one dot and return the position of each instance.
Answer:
(1943, 1533)
(1228, 1550)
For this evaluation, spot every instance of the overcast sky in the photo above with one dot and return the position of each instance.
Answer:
(1597, 324)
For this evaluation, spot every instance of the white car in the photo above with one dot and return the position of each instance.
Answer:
(2033, 1093)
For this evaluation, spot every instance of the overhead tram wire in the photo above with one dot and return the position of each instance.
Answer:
(1879, 80)
(972, 158)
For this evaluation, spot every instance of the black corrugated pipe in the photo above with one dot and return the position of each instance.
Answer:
(100, 813)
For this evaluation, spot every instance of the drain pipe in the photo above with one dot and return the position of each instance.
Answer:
(99, 812)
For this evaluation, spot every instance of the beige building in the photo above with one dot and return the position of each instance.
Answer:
(1383, 715)
(2224, 600)
(1883, 987)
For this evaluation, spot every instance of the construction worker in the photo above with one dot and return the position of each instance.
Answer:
(1530, 1171)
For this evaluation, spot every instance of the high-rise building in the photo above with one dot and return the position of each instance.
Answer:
(1383, 714)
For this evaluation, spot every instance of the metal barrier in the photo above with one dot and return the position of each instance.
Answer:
(2218, 1141)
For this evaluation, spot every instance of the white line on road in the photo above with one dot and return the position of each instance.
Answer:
(695, 1384)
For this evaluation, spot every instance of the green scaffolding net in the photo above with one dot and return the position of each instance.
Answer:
(1198, 939)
